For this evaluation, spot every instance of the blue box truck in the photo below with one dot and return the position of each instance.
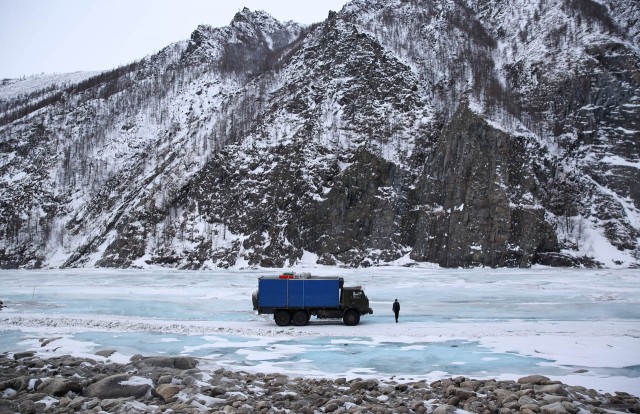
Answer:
(295, 298)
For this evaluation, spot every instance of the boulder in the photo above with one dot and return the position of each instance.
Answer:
(76, 403)
(505, 396)
(571, 408)
(116, 386)
(170, 362)
(18, 384)
(217, 391)
(20, 355)
(35, 396)
(555, 408)
(168, 391)
(554, 389)
(464, 394)
(534, 379)
(113, 404)
(363, 385)
(445, 409)
(280, 381)
(525, 399)
(30, 407)
(59, 387)
(8, 406)
(470, 384)
(529, 408)
(331, 406)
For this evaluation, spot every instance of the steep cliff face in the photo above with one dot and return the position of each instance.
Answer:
(459, 132)
(478, 197)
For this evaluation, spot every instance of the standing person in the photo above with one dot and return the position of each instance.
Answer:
(396, 309)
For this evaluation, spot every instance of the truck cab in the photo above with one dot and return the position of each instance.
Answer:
(353, 298)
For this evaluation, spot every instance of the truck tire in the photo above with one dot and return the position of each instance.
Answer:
(300, 318)
(351, 317)
(282, 317)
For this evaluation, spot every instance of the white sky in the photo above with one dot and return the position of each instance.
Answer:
(47, 36)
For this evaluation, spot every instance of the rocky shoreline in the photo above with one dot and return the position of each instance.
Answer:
(30, 384)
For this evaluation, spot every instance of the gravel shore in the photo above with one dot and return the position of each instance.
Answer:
(30, 384)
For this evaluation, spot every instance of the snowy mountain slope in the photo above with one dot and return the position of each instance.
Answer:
(563, 70)
(10, 89)
(460, 133)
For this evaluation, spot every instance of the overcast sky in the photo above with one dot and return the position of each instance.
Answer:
(61, 36)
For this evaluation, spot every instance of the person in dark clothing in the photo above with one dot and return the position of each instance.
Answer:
(396, 309)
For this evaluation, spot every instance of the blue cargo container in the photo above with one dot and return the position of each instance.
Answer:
(296, 298)
(299, 293)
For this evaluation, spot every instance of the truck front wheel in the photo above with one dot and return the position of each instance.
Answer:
(351, 317)
(282, 317)
(300, 318)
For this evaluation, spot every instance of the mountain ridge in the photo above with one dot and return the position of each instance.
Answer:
(434, 132)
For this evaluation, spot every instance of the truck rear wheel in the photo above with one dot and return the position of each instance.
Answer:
(282, 317)
(300, 318)
(351, 317)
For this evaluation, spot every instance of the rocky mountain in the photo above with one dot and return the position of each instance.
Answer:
(455, 132)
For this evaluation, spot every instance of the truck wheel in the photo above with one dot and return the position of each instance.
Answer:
(282, 317)
(300, 318)
(351, 317)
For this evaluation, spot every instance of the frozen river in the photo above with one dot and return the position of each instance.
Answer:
(578, 326)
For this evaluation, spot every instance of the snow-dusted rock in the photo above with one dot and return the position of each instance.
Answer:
(240, 391)
(117, 386)
(461, 133)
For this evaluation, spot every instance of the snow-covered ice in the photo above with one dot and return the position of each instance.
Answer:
(581, 327)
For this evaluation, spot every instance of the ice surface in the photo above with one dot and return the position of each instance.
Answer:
(578, 326)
